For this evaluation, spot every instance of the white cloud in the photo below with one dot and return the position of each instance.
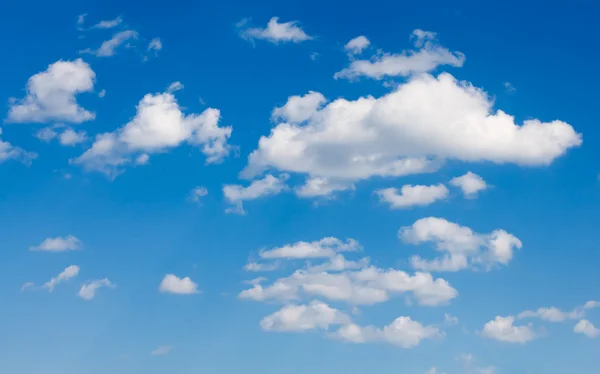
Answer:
(182, 286)
(326, 247)
(315, 187)
(197, 193)
(70, 137)
(88, 291)
(155, 45)
(502, 329)
(162, 350)
(427, 57)
(450, 320)
(410, 196)
(275, 32)
(357, 45)
(142, 159)
(51, 94)
(159, 124)
(46, 134)
(402, 332)
(109, 47)
(434, 370)
(236, 194)
(59, 244)
(509, 87)
(471, 368)
(315, 315)
(463, 247)
(261, 267)
(410, 130)
(107, 24)
(11, 152)
(298, 109)
(470, 184)
(175, 86)
(553, 314)
(27, 285)
(102, 93)
(81, 19)
(69, 272)
(587, 328)
(339, 263)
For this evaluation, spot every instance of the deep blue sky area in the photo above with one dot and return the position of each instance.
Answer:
(161, 280)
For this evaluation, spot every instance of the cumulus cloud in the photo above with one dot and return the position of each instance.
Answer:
(59, 244)
(410, 130)
(427, 56)
(326, 247)
(182, 286)
(587, 328)
(46, 134)
(88, 290)
(261, 267)
(109, 47)
(236, 194)
(69, 272)
(51, 94)
(275, 32)
(70, 137)
(315, 315)
(106, 24)
(197, 194)
(470, 184)
(409, 196)
(503, 329)
(155, 45)
(553, 314)
(357, 45)
(463, 248)
(11, 152)
(159, 124)
(402, 332)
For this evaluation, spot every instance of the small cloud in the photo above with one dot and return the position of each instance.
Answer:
(102, 93)
(27, 285)
(155, 45)
(88, 291)
(509, 88)
(314, 56)
(109, 47)
(197, 194)
(357, 45)
(275, 32)
(175, 86)
(107, 24)
(142, 159)
(59, 244)
(161, 351)
(81, 19)
(175, 285)
(69, 272)
(46, 134)
(70, 137)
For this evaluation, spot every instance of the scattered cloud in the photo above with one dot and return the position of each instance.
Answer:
(315, 315)
(155, 45)
(504, 330)
(410, 196)
(69, 272)
(326, 247)
(463, 248)
(46, 134)
(174, 87)
(553, 314)
(109, 47)
(51, 94)
(275, 32)
(261, 267)
(357, 45)
(509, 88)
(427, 57)
(470, 184)
(88, 291)
(299, 109)
(27, 285)
(587, 328)
(313, 56)
(102, 93)
(81, 19)
(197, 194)
(107, 24)
(175, 285)
(450, 320)
(70, 137)
(11, 152)
(236, 194)
(162, 350)
(59, 244)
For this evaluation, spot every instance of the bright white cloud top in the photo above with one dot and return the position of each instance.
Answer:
(109, 47)
(175, 285)
(504, 330)
(69, 272)
(315, 315)
(59, 244)
(275, 32)
(236, 194)
(88, 290)
(11, 152)
(586, 328)
(470, 184)
(357, 45)
(409, 196)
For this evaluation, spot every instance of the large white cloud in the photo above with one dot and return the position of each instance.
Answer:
(51, 94)
(503, 329)
(236, 194)
(427, 57)
(315, 315)
(463, 248)
(275, 32)
(410, 130)
(410, 196)
(159, 124)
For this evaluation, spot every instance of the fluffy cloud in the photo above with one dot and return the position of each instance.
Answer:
(236, 194)
(261, 267)
(402, 332)
(357, 45)
(427, 57)
(70, 137)
(69, 272)
(197, 193)
(324, 187)
(155, 45)
(553, 314)
(326, 247)
(10, 152)
(88, 291)
(159, 124)
(51, 94)
(109, 47)
(470, 184)
(175, 285)
(502, 329)
(275, 32)
(106, 24)
(410, 196)
(315, 315)
(587, 328)
(298, 109)
(59, 244)
(462, 246)
(410, 130)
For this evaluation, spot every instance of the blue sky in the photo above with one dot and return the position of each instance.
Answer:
(203, 188)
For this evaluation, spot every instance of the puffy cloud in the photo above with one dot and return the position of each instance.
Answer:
(159, 124)
(315, 187)
(162, 350)
(326, 247)
(410, 130)
(59, 244)
(88, 291)
(587, 328)
(69, 272)
(175, 285)
(197, 193)
(11, 152)
(51, 94)
(402, 332)
(470, 184)
(107, 24)
(155, 45)
(502, 329)
(315, 315)
(410, 196)
(553, 314)
(462, 246)
(109, 47)
(298, 109)
(236, 194)
(427, 57)
(46, 134)
(339, 263)
(275, 32)
(70, 137)
(357, 45)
